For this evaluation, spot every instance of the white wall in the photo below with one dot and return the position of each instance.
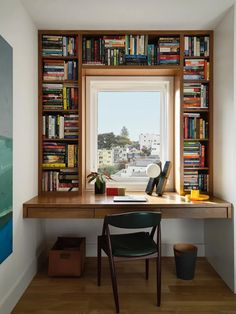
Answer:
(173, 231)
(219, 234)
(18, 269)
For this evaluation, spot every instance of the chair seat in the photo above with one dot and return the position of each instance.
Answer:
(131, 244)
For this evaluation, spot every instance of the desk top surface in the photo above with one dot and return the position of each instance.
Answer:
(90, 205)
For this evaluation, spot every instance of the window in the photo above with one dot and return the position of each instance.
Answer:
(129, 124)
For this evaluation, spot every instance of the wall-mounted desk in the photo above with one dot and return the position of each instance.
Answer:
(90, 205)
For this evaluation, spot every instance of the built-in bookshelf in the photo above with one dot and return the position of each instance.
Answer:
(197, 112)
(67, 57)
(59, 112)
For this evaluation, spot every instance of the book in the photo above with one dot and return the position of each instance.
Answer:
(129, 198)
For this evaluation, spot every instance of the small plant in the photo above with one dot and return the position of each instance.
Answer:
(99, 177)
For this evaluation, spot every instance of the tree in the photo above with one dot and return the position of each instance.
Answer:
(146, 151)
(122, 141)
(106, 140)
(124, 132)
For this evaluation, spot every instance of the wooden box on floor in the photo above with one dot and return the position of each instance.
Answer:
(66, 258)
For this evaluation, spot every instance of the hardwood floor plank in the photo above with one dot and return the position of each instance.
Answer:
(206, 294)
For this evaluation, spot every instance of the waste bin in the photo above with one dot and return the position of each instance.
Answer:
(185, 260)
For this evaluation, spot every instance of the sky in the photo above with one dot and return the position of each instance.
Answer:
(138, 111)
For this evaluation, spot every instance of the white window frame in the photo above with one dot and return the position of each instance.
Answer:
(162, 84)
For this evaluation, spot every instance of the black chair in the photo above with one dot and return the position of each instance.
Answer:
(130, 246)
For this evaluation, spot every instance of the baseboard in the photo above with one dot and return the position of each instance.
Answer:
(8, 303)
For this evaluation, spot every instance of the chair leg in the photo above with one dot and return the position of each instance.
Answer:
(158, 273)
(99, 262)
(114, 282)
(147, 268)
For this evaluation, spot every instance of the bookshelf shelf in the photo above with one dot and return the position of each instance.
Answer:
(195, 139)
(60, 139)
(60, 111)
(126, 53)
(196, 57)
(60, 57)
(196, 110)
(144, 67)
(196, 168)
(197, 81)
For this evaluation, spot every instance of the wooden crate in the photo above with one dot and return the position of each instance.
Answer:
(66, 258)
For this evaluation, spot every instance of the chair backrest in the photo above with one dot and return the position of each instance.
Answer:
(134, 220)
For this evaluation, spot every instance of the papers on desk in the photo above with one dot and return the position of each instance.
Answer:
(129, 198)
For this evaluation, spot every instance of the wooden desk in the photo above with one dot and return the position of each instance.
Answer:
(90, 205)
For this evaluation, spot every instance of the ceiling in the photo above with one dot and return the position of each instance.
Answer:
(127, 14)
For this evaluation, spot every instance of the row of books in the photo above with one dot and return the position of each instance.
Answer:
(196, 180)
(196, 46)
(60, 126)
(130, 49)
(196, 69)
(60, 155)
(60, 70)
(64, 180)
(195, 127)
(168, 50)
(59, 97)
(195, 95)
(62, 46)
(194, 155)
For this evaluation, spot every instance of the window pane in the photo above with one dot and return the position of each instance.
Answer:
(128, 133)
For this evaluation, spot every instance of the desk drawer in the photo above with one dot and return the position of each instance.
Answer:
(59, 212)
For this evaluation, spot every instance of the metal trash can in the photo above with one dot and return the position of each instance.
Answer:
(185, 260)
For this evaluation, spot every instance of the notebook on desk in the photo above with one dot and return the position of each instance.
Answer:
(129, 198)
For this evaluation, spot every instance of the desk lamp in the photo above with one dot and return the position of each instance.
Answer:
(153, 171)
(158, 177)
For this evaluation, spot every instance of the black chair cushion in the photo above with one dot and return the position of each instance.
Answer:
(131, 244)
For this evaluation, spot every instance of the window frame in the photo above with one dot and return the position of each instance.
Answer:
(163, 84)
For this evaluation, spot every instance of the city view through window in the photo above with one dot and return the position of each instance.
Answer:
(128, 133)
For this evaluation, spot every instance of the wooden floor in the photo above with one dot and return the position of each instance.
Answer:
(207, 293)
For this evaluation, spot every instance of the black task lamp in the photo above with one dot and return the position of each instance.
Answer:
(157, 177)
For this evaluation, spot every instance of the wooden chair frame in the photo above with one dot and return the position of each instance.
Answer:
(107, 248)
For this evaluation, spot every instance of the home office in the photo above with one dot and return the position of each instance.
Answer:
(214, 237)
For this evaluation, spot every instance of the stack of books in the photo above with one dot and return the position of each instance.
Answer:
(59, 155)
(195, 127)
(194, 155)
(58, 45)
(53, 96)
(168, 50)
(53, 126)
(54, 155)
(70, 97)
(114, 50)
(59, 70)
(152, 54)
(93, 51)
(71, 126)
(60, 127)
(136, 49)
(196, 46)
(62, 180)
(195, 180)
(196, 69)
(195, 95)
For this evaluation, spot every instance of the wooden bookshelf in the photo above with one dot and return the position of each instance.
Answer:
(59, 112)
(136, 67)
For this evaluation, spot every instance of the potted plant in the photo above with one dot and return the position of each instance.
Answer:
(100, 181)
